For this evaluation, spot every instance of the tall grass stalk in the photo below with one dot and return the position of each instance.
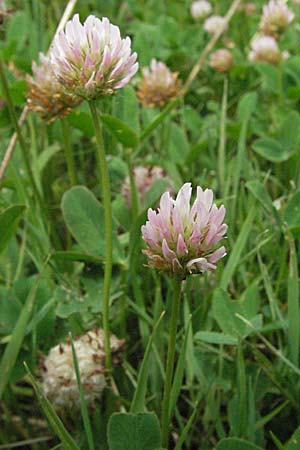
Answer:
(170, 361)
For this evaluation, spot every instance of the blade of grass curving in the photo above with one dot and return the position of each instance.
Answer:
(187, 428)
(271, 347)
(222, 142)
(53, 419)
(13, 347)
(293, 306)
(238, 248)
(83, 405)
(178, 377)
(138, 401)
(242, 394)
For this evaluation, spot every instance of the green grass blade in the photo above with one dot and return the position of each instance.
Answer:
(293, 306)
(13, 347)
(237, 250)
(138, 402)
(178, 377)
(83, 405)
(53, 419)
(186, 428)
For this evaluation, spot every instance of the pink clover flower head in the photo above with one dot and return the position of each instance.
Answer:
(200, 9)
(276, 17)
(183, 239)
(159, 85)
(91, 59)
(266, 49)
(221, 60)
(213, 24)
(145, 177)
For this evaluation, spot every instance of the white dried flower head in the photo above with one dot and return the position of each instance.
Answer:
(200, 9)
(45, 94)
(59, 382)
(144, 177)
(214, 24)
(159, 85)
(91, 59)
(266, 49)
(275, 18)
(182, 238)
(221, 60)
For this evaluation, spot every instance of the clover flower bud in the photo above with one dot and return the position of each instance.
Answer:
(159, 85)
(200, 9)
(45, 94)
(91, 59)
(266, 49)
(214, 24)
(276, 17)
(181, 238)
(221, 60)
(144, 178)
(59, 381)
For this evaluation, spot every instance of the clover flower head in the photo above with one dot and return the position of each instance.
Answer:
(181, 238)
(275, 18)
(45, 94)
(4, 11)
(221, 60)
(59, 381)
(159, 85)
(144, 177)
(266, 49)
(200, 9)
(214, 24)
(91, 59)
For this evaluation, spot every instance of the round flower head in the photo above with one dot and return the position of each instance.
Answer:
(221, 60)
(4, 11)
(200, 9)
(59, 382)
(181, 238)
(214, 23)
(159, 85)
(45, 94)
(266, 49)
(276, 17)
(92, 60)
(144, 178)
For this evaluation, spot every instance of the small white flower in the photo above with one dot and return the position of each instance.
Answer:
(200, 9)
(276, 17)
(214, 24)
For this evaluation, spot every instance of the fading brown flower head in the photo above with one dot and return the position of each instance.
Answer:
(45, 94)
(159, 85)
(59, 381)
(4, 11)
(144, 178)
(221, 60)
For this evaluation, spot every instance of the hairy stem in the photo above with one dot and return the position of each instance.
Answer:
(106, 199)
